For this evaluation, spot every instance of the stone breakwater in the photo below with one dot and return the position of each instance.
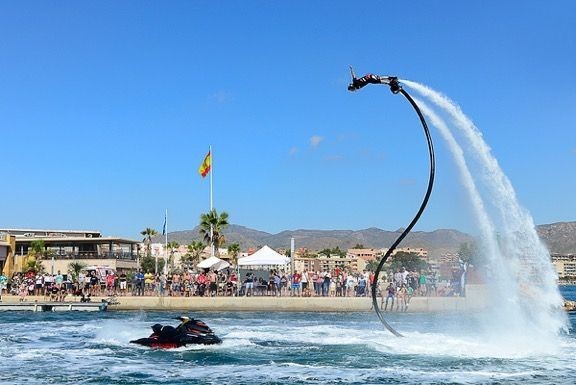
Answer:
(475, 299)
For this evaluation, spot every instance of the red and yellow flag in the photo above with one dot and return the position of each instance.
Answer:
(206, 165)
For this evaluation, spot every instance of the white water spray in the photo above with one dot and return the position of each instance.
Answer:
(527, 306)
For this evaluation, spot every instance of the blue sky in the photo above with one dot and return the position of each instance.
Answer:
(107, 109)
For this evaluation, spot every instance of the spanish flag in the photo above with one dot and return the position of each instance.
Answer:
(206, 165)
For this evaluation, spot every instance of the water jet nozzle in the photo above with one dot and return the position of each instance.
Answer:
(358, 83)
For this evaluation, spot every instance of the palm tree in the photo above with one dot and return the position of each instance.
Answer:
(171, 246)
(148, 234)
(34, 264)
(37, 249)
(75, 268)
(36, 253)
(194, 251)
(211, 227)
(234, 250)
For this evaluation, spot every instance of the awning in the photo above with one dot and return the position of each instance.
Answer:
(214, 263)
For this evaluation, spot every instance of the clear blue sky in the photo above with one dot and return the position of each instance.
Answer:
(107, 109)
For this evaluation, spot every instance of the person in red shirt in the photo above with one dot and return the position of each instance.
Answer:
(296, 278)
(201, 281)
(110, 283)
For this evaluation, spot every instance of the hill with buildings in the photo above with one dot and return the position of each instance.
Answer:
(437, 241)
(559, 237)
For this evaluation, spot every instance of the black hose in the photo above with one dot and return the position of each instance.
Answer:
(414, 220)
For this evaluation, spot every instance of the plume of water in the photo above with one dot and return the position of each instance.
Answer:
(527, 305)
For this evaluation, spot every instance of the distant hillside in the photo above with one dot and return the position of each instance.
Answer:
(559, 237)
(435, 241)
(234, 234)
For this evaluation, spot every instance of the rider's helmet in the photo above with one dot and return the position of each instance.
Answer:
(156, 328)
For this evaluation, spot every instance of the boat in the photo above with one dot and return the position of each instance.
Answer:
(190, 331)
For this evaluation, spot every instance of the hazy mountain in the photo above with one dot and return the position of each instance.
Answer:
(234, 234)
(439, 240)
(559, 237)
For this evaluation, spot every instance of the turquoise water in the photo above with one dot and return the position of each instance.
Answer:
(274, 348)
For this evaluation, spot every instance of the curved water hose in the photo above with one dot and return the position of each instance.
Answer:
(396, 88)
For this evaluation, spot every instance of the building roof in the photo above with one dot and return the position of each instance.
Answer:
(10, 231)
(78, 240)
(53, 236)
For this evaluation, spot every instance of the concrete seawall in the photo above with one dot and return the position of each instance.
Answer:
(288, 304)
(474, 300)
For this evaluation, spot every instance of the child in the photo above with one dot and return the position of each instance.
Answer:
(23, 291)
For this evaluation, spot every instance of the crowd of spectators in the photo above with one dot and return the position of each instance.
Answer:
(395, 288)
(398, 288)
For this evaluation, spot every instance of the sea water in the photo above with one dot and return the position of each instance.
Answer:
(273, 348)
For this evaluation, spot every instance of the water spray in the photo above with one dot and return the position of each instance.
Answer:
(395, 87)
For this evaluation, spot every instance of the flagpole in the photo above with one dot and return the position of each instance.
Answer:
(166, 244)
(211, 167)
(211, 202)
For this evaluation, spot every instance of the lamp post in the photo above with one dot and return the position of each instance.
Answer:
(395, 87)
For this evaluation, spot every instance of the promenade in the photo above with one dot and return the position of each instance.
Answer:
(475, 300)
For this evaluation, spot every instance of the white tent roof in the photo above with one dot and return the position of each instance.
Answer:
(264, 256)
(214, 263)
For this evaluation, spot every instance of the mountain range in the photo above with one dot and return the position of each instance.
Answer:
(559, 237)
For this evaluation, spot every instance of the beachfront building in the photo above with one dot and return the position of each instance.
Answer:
(7, 247)
(444, 264)
(61, 247)
(565, 265)
(356, 260)
(362, 258)
(326, 263)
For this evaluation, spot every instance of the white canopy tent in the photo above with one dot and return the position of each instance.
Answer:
(264, 257)
(213, 263)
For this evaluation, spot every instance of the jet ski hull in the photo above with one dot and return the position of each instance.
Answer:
(176, 343)
(195, 332)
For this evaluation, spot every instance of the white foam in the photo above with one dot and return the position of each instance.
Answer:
(527, 309)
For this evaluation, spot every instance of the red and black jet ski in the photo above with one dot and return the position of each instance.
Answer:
(190, 332)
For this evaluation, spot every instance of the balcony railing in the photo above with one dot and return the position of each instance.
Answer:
(93, 255)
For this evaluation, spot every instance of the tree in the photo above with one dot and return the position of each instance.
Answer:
(335, 252)
(359, 246)
(171, 246)
(212, 226)
(234, 250)
(148, 233)
(148, 264)
(36, 253)
(468, 253)
(37, 249)
(193, 254)
(410, 261)
(74, 268)
(372, 265)
(34, 264)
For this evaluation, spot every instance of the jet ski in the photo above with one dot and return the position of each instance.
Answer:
(190, 332)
